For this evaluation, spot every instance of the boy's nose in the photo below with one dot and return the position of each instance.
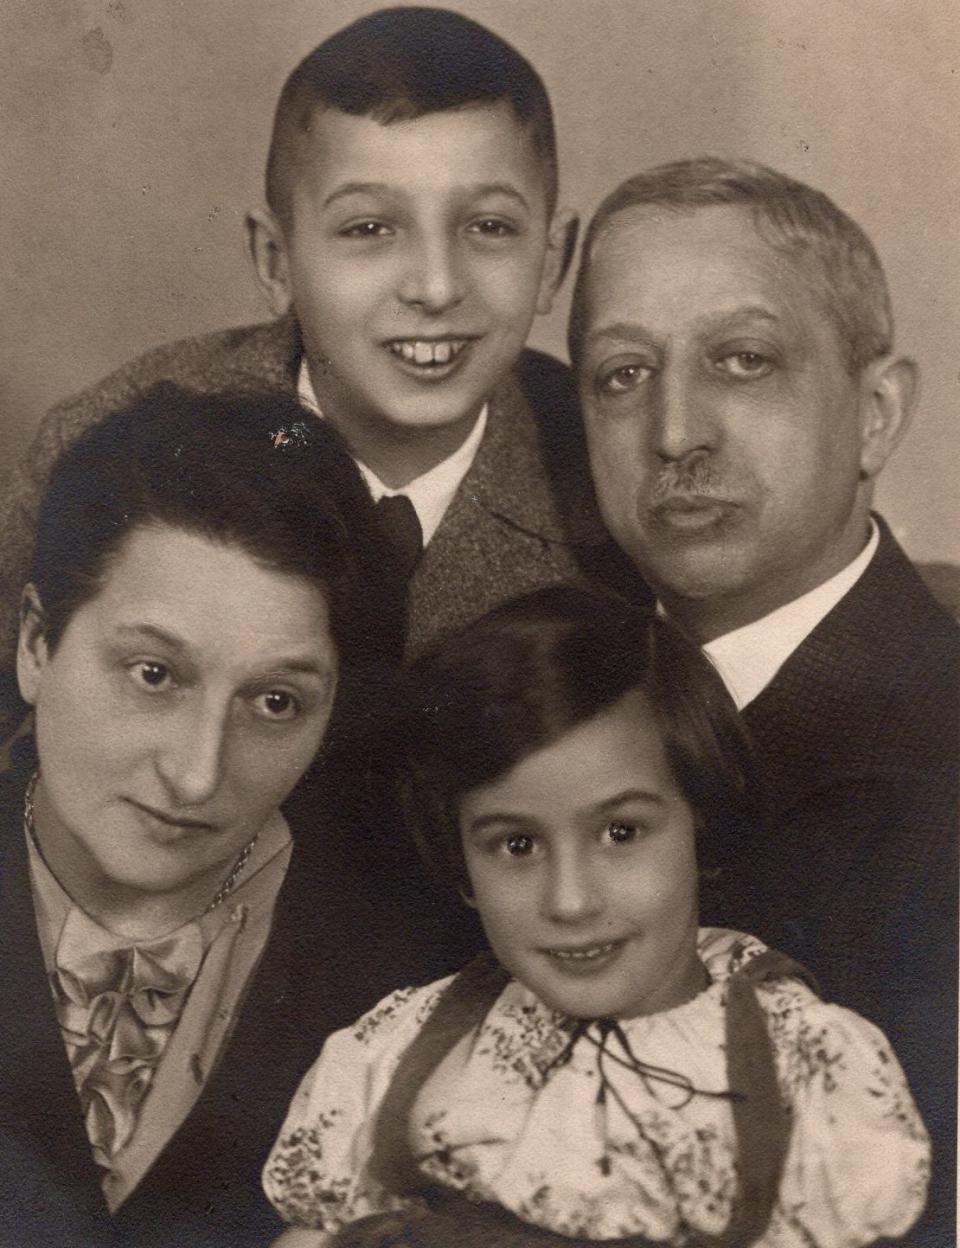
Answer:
(190, 759)
(433, 279)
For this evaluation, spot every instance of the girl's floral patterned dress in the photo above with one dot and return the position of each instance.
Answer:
(503, 1120)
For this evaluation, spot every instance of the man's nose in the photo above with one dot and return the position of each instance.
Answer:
(191, 758)
(683, 420)
(571, 890)
(433, 275)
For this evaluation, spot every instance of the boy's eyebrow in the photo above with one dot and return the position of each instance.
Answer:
(474, 189)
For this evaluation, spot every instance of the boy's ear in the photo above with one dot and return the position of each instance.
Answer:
(267, 249)
(889, 392)
(32, 652)
(561, 244)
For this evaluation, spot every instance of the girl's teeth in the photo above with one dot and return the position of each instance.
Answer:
(580, 954)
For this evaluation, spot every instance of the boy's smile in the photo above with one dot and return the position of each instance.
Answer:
(415, 256)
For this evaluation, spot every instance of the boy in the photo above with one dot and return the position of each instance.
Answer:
(411, 233)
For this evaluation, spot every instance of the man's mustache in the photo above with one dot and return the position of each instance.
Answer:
(696, 479)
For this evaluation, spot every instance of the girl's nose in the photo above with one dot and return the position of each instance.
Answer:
(190, 760)
(571, 891)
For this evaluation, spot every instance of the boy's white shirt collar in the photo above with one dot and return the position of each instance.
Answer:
(432, 492)
(749, 657)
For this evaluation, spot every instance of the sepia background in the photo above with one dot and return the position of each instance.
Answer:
(134, 134)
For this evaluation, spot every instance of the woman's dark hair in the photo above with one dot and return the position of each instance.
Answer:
(532, 670)
(251, 471)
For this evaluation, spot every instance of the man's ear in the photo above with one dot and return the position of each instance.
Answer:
(32, 652)
(267, 249)
(889, 392)
(561, 244)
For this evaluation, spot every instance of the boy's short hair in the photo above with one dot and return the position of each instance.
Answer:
(400, 64)
(791, 217)
(536, 668)
(246, 471)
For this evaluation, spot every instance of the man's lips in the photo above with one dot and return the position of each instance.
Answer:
(692, 511)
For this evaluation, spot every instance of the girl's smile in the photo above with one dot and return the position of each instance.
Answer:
(583, 868)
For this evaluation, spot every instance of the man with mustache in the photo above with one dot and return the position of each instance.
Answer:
(734, 342)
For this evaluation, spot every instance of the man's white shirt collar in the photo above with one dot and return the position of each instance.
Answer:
(749, 657)
(432, 492)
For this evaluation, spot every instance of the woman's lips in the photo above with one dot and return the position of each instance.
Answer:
(584, 959)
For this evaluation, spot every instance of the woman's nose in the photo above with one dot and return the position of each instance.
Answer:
(433, 277)
(190, 759)
(571, 891)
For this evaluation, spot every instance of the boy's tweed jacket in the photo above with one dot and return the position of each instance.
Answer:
(523, 517)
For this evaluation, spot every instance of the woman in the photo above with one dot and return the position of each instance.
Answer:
(208, 594)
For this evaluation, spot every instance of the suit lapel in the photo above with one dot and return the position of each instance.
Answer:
(39, 1104)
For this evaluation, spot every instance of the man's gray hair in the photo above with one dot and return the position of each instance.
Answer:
(789, 216)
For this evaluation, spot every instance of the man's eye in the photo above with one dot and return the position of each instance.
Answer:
(623, 379)
(277, 704)
(366, 229)
(746, 364)
(621, 832)
(151, 675)
(518, 846)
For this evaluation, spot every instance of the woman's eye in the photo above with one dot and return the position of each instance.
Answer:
(746, 364)
(366, 229)
(623, 379)
(277, 704)
(519, 845)
(151, 675)
(620, 832)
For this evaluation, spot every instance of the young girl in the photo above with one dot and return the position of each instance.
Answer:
(613, 1073)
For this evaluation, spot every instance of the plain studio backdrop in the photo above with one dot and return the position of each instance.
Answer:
(134, 134)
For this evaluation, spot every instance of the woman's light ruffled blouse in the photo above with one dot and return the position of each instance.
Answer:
(500, 1122)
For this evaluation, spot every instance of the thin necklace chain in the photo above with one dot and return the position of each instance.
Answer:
(224, 891)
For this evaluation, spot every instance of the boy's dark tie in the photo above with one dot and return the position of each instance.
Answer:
(399, 521)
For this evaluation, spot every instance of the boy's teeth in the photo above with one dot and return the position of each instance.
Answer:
(428, 352)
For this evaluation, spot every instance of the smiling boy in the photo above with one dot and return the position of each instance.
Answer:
(410, 235)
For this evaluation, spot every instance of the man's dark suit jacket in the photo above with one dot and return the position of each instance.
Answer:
(352, 922)
(855, 870)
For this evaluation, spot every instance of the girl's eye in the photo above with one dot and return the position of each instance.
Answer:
(151, 675)
(277, 704)
(365, 229)
(493, 227)
(746, 365)
(623, 379)
(519, 845)
(621, 833)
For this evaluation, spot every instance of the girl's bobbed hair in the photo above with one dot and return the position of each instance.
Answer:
(539, 666)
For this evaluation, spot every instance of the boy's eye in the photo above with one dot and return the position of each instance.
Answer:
(151, 675)
(624, 378)
(518, 845)
(365, 229)
(493, 227)
(745, 365)
(277, 704)
(621, 832)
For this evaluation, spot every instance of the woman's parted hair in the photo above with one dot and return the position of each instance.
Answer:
(536, 668)
(252, 471)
